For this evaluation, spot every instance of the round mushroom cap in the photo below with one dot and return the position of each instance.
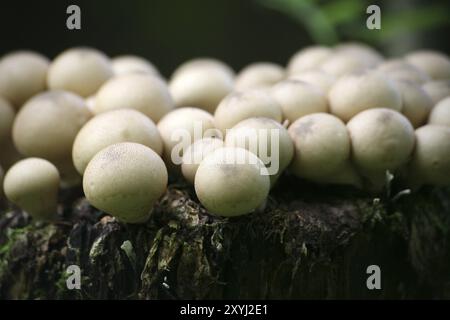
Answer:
(431, 157)
(401, 70)
(143, 92)
(440, 114)
(437, 90)
(47, 125)
(22, 75)
(195, 154)
(241, 105)
(231, 182)
(433, 63)
(354, 93)
(267, 139)
(133, 64)
(125, 125)
(125, 180)
(362, 52)
(182, 127)
(382, 139)
(259, 75)
(416, 102)
(321, 145)
(79, 70)
(316, 78)
(7, 115)
(308, 58)
(33, 184)
(201, 83)
(299, 98)
(341, 64)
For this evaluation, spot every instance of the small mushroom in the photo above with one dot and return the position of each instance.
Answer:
(125, 125)
(79, 70)
(125, 180)
(437, 90)
(231, 182)
(299, 98)
(202, 83)
(33, 184)
(267, 139)
(341, 64)
(440, 114)
(354, 93)
(259, 75)
(195, 154)
(362, 52)
(308, 59)
(433, 63)
(321, 145)
(241, 105)
(416, 103)
(22, 75)
(402, 70)
(143, 92)
(316, 78)
(133, 64)
(7, 115)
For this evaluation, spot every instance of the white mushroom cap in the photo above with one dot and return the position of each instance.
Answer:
(133, 64)
(79, 70)
(437, 90)
(401, 70)
(362, 52)
(201, 83)
(231, 182)
(382, 139)
(22, 75)
(441, 113)
(416, 103)
(7, 115)
(259, 75)
(124, 125)
(33, 184)
(267, 139)
(354, 93)
(321, 145)
(308, 58)
(125, 180)
(431, 158)
(195, 154)
(182, 127)
(241, 105)
(143, 92)
(317, 78)
(433, 63)
(298, 98)
(340, 64)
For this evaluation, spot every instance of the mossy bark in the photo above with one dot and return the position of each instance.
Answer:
(309, 242)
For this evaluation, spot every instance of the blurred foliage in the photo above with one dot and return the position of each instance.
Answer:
(328, 22)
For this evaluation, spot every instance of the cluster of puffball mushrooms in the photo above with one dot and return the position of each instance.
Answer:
(345, 115)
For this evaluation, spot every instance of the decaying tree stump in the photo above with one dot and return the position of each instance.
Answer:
(309, 242)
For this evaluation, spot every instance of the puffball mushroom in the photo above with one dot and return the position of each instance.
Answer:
(316, 78)
(47, 125)
(241, 105)
(195, 154)
(299, 98)
(33, 184)
(182, 127)
(437, 90)
(22, 75)
(267, 139)
(382, 139)
(402, 70)
(354, 93)
(341, 64)
(440, 114)
(431, 158)
(321, 145)
(416, 103)
(433, 63)
(308, 58)
(360, 51)
(7, 115)
(143, 92)
(125, 125)
(125, 180)
(133, 64)
(261, 74)
(79, 70)
(231, 182)
(201, 83)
